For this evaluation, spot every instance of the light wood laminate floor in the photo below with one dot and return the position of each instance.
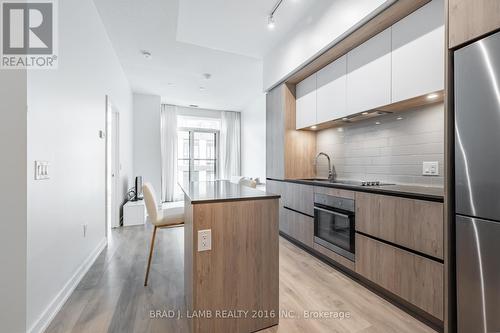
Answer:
(112, 298)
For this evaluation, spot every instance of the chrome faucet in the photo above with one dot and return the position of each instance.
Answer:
(332, 174)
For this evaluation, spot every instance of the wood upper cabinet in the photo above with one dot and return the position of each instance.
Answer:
(418, 46)
(306, 102)
(414, 224)
(369, 74)
(289, 153)
(332, 91)
(471, 19)
(414, 278)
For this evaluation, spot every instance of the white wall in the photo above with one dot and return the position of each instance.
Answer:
(319, 29)
(253, 139)
(13, 201)
(66, 111)
(147, 140)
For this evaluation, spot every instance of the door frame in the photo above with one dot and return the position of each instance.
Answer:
(112, 121)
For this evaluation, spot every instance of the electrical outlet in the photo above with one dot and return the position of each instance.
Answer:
(204, 240)
(84, 230)
(41, 170)
(430, 168)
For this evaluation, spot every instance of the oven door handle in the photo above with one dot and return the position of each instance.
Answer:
(331, 212)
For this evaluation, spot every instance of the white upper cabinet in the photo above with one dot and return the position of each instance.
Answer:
(418, 52)
(331, 91)
(306, 102)
(369, 74)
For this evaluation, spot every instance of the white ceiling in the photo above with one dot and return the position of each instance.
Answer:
(238, 26)
(226, 38)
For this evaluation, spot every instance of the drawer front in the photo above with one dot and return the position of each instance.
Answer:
(334, 256)
(416, 279)
(299, 226)
(283, 220)
(336, 192)
(275, 187)
(414, 224)
(299, 197)
(278, 187)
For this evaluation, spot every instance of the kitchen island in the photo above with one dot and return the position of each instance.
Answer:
(230, 257)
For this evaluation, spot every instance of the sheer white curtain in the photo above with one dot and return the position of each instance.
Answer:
(168, 151)
(230, 146)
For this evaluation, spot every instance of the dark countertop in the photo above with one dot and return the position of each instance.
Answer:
(222, 190)
(407, 191)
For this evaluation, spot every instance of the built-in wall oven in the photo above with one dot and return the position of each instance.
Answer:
(334, 224)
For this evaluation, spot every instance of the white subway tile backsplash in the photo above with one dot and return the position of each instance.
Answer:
(392, 151)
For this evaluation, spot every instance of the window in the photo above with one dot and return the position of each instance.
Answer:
(197, 154)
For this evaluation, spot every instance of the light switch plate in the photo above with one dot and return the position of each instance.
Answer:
(430, 168)
(204, 240)
(42, 170)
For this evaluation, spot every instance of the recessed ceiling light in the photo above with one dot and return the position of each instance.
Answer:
(146, 54)
(270, 22)
(193, 105)
(364, 113)
(377, 123)
(432, 96)
(345, 119)
(399, 118)
(314, 127)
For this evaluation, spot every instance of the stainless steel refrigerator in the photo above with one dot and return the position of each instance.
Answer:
(477, 185)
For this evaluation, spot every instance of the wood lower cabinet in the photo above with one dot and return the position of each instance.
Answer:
(414, 278)
(298, 226)
(414, 224)
(275, 187)
(299, 197)
(470, 19)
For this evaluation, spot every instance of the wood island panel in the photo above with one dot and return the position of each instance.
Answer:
(240, 272)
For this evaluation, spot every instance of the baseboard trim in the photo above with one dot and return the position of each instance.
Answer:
(56, 304)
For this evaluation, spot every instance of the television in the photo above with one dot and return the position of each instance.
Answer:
(138, 189)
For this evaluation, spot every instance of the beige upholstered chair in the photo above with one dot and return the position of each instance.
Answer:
(248, 182)
(172, 217)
